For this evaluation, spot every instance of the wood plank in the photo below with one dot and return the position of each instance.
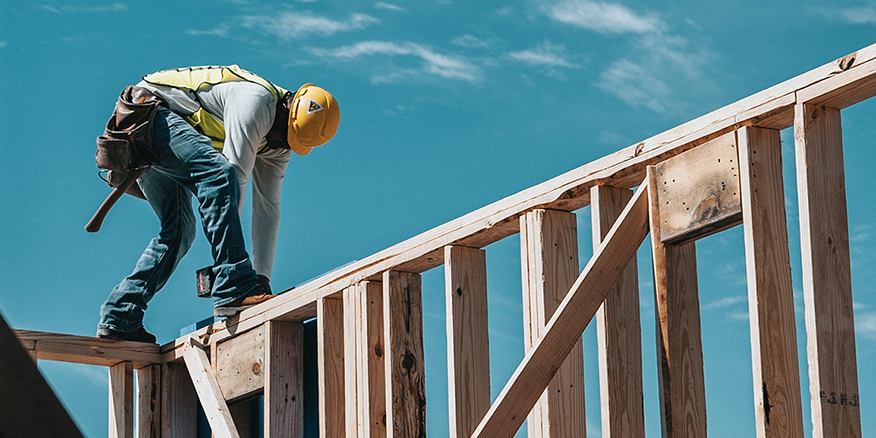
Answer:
(405, 375)
(330, 352)
(373, 384)
(209, 393)
(240, 363)
(507, 413)
(28, 406)
(618, 331)
(827, 283)
(284, 380)
(353, 365)
(549, 267)
(468, 345)
(776, 375)
(698, 191)
(121, 400)
(149, 402)
(679, 339)
(179, 402)
(240, 414)
(89, 350)
(772, 107)
(842, 91)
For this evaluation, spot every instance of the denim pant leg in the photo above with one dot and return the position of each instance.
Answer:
(190, 162)
(124, 309)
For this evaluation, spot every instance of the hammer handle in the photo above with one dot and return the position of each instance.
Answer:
(96, 221)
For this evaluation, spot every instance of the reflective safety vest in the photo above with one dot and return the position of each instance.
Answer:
(194, 79)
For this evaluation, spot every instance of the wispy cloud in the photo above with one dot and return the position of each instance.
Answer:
(2, 44)
(291, 25)
(389, 7)
(636, 86)
(546, 55)
(433, 63)
(865, 325)
(603, 17)
(726, 302)
(114, 7)
(853, 15)
(221, 31)
(471, 42)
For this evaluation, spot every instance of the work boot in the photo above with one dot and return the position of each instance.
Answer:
(139, 335)
(257, 295)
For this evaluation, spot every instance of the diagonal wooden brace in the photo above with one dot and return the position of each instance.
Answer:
(533, 375)
(208, 390)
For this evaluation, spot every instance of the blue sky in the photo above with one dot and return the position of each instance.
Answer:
(446, 106)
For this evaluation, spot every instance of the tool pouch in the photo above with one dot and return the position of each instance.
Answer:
(126, 143)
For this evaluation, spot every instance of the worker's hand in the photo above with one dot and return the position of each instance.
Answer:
(265, 283)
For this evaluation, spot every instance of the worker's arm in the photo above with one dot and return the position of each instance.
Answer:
(270, 168)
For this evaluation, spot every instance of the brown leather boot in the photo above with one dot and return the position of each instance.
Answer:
(257, 295)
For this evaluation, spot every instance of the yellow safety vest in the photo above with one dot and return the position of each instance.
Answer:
(195, 78)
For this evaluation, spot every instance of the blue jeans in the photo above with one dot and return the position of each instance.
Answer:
(189, 166)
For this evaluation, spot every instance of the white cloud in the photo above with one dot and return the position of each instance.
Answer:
(636, 86)
(291, 25)
(858, 15)
(389, 7)
(865, 325)
(437, 64)
(603, 17)
(547, 55)
(221, 31)
(2, 44)
(471, 42)
(114, 7)
(726, 302)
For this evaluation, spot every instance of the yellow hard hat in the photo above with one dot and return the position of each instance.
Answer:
(313, 118)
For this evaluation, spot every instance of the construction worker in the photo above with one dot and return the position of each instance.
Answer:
(256, 124)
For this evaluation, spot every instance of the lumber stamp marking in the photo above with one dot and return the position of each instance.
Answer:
(698, 191)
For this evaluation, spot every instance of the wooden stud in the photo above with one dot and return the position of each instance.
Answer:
(284, 380)
(679, 339)
(619, 331)
(405, 375)
(778, 409)
(549, 267)
(373, 383)
(179, 402)
(121, 400)
(468, 347)
(827, 282)
(149, 402)
(508, 412)
(330, 346)
(209, 393)
(353, 365)
(28, 406)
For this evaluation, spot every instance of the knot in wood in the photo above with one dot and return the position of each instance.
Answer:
(257, 368)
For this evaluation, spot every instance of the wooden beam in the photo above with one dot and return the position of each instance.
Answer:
(777, 400)
(468, 346)
(353, 365)
(149, 402)
(772, 108)
(827, 282)
(570, 319)
(549, 267)
(618, 330)
(121, 400)
(89, 350)
(405, 375)
(28, 406)
(179, 402)
(284, 379)
(373, 387)
(239, 364)
(679, 342)
(330, 352)
(207, 388)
